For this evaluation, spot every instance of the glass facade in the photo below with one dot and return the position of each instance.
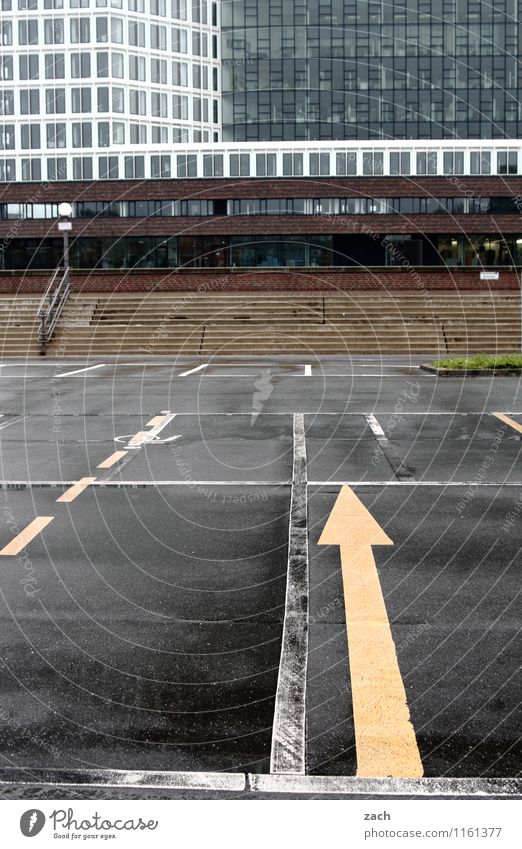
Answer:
(358, 69)
(268, 251)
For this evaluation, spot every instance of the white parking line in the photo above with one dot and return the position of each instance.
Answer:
(193, 370)
(80, 370)
(288, 753)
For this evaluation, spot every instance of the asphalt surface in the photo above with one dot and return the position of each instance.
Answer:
(142, 628)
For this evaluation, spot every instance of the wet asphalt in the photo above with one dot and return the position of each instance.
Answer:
(149, 633)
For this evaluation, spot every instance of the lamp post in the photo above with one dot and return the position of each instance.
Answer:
(65, 227)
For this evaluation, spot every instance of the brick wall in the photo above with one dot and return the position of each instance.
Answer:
(259, 187)
(243, 280)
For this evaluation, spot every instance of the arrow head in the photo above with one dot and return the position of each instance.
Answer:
(351, 524)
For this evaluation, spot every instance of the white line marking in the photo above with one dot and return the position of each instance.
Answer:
(288, 754)
(375, 427)
(235, 781)
(308, 370)
(191, 483)
(144, 437)
(340, 784)
(80, 370)
(193, 370)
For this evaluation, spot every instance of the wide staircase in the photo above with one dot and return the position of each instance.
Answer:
(286, 323)
(19, 326)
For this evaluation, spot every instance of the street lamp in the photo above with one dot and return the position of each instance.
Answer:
(65, 226)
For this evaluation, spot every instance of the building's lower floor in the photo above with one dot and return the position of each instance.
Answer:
(266, 251)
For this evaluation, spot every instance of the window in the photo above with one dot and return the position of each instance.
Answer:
(507, 162)
(30, 101)
(213, 165)
(137, 102)
(158, 71)
(320, 164)
(104, 134)
(137, 68)
(56, 135)
(239, 165)
(53, 4)
(29, 66)
(30, 136)
(180, 73)
(102, 30)
(158, 7)
(6, 68)
(80, 30)
(108, 167)
(7, 137)
(179, 9)
(266, 164)
(293, 164)
(136, 34)
(28, 32)
(160, 166)
(102, 65)
(187, 165)
(159, 134)
(134, 167)
(138, 133)
(82, 168)
(81, 99)
(31, 169)
(118, 132)
(103, 99)
(53, 31)
(373, 162)
(117, 65)
(6, 102)
(57, 168)
(55, 101)
(6, 33)
(179, 40)
(480, 162)
(158, 37)
(82, 134)
(180, 107)
(28, 5)
(117, 30)
(7, 170)
(158, 105)
(80, 65)
(400, 162)
(453, 162)
(54, 64)
(427, 162)
(345, 163)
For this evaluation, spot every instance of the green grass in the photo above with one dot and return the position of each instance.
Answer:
(479, 361)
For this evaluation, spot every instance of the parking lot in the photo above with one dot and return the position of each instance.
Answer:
(168, 604)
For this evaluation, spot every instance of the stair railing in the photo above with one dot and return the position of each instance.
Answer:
(51, 306)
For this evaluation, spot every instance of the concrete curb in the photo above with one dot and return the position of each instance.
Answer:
(471, 372)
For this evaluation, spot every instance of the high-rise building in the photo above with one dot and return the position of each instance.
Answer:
(105, 88)
(359, 69)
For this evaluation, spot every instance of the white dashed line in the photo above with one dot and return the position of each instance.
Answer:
(80, 370)
(193, 370)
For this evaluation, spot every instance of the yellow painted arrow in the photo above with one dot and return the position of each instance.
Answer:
(384, 736)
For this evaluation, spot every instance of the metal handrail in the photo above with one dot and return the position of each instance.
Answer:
(52, 304)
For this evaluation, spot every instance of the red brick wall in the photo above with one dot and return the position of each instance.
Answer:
(258, 187)
(242, 280)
